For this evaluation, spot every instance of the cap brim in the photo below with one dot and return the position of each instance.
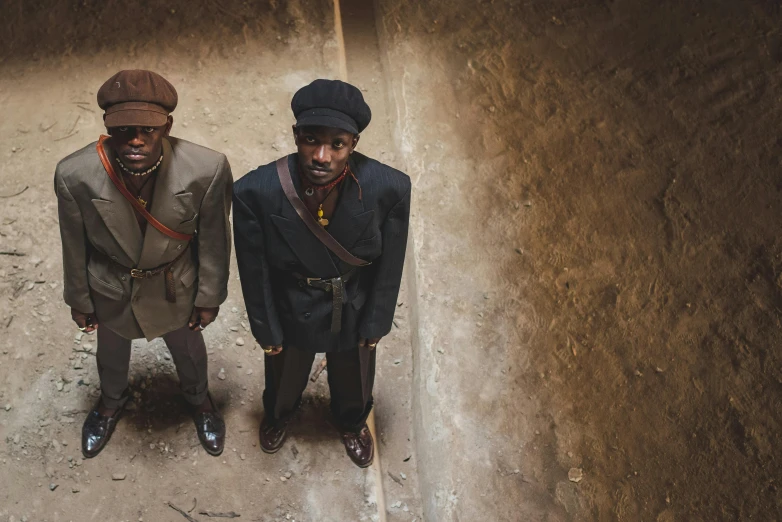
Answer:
(323, 120)
(135, 118)
(134, 114)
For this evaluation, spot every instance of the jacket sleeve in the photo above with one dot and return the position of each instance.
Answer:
(76, 290)
(214, 239)
(254, 275)
(381, 303)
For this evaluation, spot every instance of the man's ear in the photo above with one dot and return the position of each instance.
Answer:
(356, 137)
(295, 135)
(169, 124)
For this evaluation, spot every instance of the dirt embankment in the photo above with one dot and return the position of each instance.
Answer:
(610, 174)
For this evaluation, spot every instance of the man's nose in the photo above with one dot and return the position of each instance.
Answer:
(322, 155)
(137, 138)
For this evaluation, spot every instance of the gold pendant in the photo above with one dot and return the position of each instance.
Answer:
(323, 221)
(143, 203)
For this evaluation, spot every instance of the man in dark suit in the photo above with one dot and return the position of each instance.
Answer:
(302, 298)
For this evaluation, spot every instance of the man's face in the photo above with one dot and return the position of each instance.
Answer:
(323, 152)
(139, 148)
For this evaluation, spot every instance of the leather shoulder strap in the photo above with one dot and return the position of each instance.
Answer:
(327, 239)
(133, 201)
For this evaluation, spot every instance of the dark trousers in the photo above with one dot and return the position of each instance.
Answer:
(351, 377)
(187, 349)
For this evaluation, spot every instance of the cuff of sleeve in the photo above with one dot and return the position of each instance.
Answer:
(210, 301)
(83, 305)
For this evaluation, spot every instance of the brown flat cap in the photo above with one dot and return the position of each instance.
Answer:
(136, 98)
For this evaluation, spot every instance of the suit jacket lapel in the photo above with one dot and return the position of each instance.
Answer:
(308, 248)
(120, 219)
(350, 218)
(170, 201)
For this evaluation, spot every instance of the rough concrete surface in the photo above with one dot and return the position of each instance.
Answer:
(597, 262)
(236, 66)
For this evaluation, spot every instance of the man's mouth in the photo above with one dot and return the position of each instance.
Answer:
(318, 171)
(134, 156)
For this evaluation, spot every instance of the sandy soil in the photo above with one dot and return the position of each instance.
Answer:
(597, 220)
(235, 65)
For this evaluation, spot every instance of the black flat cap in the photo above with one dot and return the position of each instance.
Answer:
(331, 103)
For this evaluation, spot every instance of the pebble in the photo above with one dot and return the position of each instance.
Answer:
(404, 477)
(7, 407)
(221, 374)
(234, 328)
(288, 474)
(59, 386)
(575, 475)
(75, 490)
(52, 486)
(242, 456)
(118, 476)
(17, 438)
(239, 341)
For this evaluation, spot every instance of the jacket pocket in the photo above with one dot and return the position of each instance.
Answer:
(189, 277)
(104, 288)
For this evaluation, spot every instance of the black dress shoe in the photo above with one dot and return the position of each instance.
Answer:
(359, 446)
(272, 435)
(211, 430)
(97, 430)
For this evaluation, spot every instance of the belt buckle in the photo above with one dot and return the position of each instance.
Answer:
(311, 279)
(136, 273)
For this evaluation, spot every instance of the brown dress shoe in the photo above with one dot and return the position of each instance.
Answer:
(359, 446)
(272, 435)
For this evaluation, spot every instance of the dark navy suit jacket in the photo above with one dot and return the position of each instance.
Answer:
(272, 243)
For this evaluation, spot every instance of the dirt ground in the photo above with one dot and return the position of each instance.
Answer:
(595, 280)
(598, 261)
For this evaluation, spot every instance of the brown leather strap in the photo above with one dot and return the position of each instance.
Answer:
(327, 239)
(133, 201)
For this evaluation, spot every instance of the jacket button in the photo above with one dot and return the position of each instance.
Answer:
(124, 277)
(114, 258)
(307, 315)
(179, 247)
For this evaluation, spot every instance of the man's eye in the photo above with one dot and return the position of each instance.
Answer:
(309, 139)
(338, 144)
(149, 130)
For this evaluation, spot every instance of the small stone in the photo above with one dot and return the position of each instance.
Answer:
(575, 475)
(441, 350)
(250, 371)
(118, 476)
(221, 374)
(7, 407)
(283, 479)
(59, 385)
(52, 486)
(404, 477)
(234, 328)
(397, 362)
(288, 474)
(242, 456)
(17, 438)
(239, 341)
(75, 490)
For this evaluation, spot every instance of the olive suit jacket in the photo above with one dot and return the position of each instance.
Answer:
(274, 248)
(192, 195)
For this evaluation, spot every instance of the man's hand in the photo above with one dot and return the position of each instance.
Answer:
(87, 323)
(272, 349)
(202, 317)
(370, 343)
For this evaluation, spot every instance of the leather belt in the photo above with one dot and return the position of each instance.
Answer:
(334, 285)
(142, 273)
